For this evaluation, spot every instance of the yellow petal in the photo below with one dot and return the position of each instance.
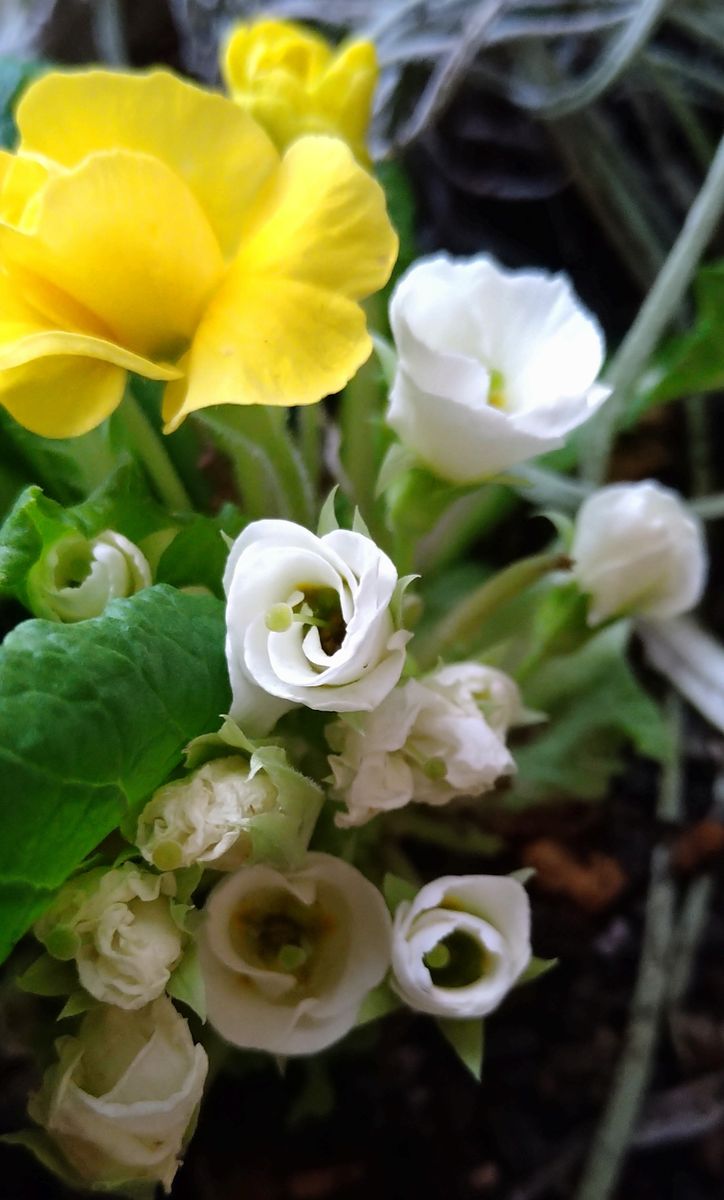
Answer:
(126, 240)
(20, 345)
(20, 178)
(321, 219)
(61, 397)
(269, 341)
(254, 50)
(346, 91)
(208, 140)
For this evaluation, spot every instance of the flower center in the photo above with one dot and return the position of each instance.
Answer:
(456, 961)
(274, 931)
(322, 604)
(496, 391)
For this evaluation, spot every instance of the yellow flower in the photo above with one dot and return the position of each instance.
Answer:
(148, 225)
(293, 82)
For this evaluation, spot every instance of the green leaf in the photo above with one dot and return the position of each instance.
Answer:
(34, 524)
(467, 1039)
(197, 555)
(187, 984)
(396, 890)
(596, 707)
(67, 468)
(93, 718)
(123, 503)
(694, 361)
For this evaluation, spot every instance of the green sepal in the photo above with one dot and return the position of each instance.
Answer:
(467, 1039)
(378, 1003)
(48, 976)
(328, 522)
(187, 984)
(396, 890)
(536, 969)
(46, 1152)
(77, 1003)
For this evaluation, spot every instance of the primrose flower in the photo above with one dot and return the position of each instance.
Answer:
(118, 926)
(148, 225)
(121, 1099)
(229, 810)
(288, 959)
(430, 740)
(461, 944)
(494, 366)
(77, 577)
(294, 82)
(638, 550)
(309, 621)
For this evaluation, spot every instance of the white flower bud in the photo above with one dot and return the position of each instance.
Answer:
(77, 577)
(288, 959)
(461, 944)
(118, 926)
(308, 621)
(431, 740)
(494, 366)
(205, 818)
(638, 550)
(120, 1100)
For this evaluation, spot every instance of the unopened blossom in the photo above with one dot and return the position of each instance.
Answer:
(229, 810)
(77, 577)
(494, 366)
(430, 740)
(638, 550)
(148, 225)
(118, 926)
(287, 959)
(294, 82)
(308, 621)
(203, 818)
(120, 1100)
(461, 944)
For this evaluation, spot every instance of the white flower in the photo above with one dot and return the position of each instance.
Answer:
(430, 740)
(205, 818)
(461, 944)
(120, 1099)
(494, 366)
(118, 926)
(78, 577)
(288, 959)
(638, 550)
(308, 622)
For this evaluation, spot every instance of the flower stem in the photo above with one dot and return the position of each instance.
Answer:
(602, 1171)
(656, 312)
(147, 445)
(463, 622)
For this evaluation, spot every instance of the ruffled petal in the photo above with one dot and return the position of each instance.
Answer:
(61, 396)
(125, 239)
(269, 341)
(321, 220)
(215, 147)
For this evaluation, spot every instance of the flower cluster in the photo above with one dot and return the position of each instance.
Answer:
(295, 712)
